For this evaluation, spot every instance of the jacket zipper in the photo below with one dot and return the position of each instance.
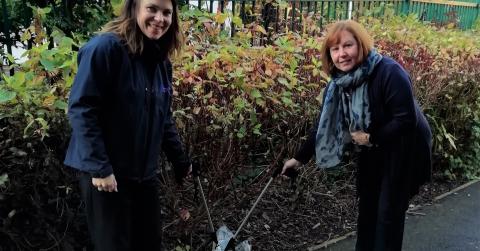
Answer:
(149, 92)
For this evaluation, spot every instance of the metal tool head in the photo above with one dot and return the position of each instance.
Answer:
(227, 241)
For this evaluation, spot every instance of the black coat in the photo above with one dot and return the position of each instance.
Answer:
(120, 112)
(399, 131)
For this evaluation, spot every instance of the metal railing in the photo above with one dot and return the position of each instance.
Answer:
(274, 14)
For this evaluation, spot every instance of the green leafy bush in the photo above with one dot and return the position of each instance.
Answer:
(37, 206)
(444, 64)
(240, 109)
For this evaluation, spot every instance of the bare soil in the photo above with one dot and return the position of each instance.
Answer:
(323, 206)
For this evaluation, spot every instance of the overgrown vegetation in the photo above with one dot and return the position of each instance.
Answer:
(444, 65)
(72, 17)
(239, 108)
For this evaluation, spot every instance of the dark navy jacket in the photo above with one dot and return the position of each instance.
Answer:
(398, 129)
(120, 112)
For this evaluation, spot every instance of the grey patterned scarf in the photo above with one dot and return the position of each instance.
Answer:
(345, 110)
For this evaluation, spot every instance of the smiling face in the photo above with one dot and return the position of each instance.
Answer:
(344, 54)
(154, 17)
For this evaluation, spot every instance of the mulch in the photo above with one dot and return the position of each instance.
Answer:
(323, 206)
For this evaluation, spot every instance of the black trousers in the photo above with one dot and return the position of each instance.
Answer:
(383, 202)
(129, 219)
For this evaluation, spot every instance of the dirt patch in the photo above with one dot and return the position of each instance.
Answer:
(322, 207)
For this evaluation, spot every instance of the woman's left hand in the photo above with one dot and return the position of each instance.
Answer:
(360, 138)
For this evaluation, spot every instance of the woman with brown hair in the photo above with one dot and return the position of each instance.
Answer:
(369, 103)
(120, 113)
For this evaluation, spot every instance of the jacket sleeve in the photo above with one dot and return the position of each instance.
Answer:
(84, 108)
(172, 146)
(307, 149)
(399, 106)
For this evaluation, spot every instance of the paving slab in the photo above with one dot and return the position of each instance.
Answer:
(452, 223)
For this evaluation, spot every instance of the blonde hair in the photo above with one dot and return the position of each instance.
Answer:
(364, 41)
(125, 26)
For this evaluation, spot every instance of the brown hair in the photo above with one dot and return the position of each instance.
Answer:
(125, 26)
(364, 41)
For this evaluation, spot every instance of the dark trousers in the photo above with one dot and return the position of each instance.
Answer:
(129, 219)
(382, 207)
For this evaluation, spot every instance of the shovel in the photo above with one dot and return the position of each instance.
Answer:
(223, 233)
(291, 173)
(196, 176)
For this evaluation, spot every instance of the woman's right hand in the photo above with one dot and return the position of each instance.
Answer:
(291, 163)
(107, 184)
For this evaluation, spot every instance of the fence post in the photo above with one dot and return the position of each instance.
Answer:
(6, 31)
(478, 13)
(232, 25)
(294, 3)
(406, 7)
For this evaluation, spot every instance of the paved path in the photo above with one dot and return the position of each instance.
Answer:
(450, 224)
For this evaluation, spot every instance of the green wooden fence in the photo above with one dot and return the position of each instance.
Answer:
(463, 14)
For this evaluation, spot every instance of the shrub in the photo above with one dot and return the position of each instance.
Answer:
(240, 109)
